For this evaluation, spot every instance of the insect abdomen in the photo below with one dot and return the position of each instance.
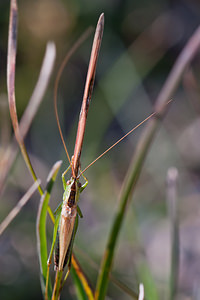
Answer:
(67, 220)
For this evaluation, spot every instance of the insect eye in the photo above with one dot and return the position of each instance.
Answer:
(79, 184)
(68, 182)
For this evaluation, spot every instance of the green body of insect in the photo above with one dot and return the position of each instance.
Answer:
(67, 221)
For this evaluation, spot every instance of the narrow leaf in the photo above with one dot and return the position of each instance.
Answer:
(82, 285)
(41, 224)
(22, 129)
(133, 173)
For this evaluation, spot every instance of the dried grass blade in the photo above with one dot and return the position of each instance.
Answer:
(30, 112)
(12, 48)
(88, 93)
(60, 71)
(14, 212)
(39, 90)
(38, 93)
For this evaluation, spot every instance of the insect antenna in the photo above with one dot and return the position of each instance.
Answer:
(62, 66)
(123, 137)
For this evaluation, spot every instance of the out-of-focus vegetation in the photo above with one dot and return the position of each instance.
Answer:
(141, 42)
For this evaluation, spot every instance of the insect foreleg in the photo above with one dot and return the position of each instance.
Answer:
(63, 177)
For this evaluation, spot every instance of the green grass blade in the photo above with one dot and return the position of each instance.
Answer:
(41, 224)
(57, 285)
(82, 285)
(55, 230)
(129, 183)
(115, 281)
(146, 278)
(166, 92)
(80, 291)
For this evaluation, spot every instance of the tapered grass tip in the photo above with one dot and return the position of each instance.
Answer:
(100, 24)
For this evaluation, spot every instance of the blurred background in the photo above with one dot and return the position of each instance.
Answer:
(141, 42)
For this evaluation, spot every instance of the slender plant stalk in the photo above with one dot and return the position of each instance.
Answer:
(80, 291)
(172, 176)
(60, 71)
(77, 271)
(133, 173)
(41, 226)
(57, 285)
(22, 129)
(88, 93)
(14, 212)
(12, 49)
(119, 284)
(9, 155)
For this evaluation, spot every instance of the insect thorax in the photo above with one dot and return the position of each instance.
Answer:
(70, 196)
